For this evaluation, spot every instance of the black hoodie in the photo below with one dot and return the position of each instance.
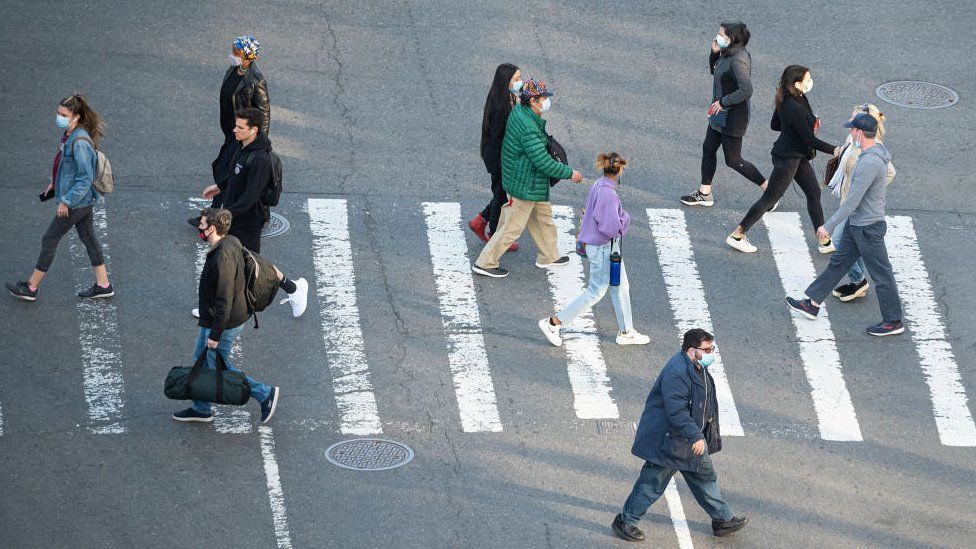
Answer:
(251, 174)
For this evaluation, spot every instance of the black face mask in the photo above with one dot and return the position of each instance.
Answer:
(203, 234)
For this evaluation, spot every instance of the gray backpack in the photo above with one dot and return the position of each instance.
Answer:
(104, 181)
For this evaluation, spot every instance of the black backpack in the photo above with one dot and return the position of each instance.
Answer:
(272, 193)
(260, 283)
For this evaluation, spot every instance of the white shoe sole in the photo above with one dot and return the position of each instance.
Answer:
(274, 405)
(551, 265)
(193, 419)
(826, 249)
(23, 297)
(553, 338)
(483, 272)
(644, 340)
(99, 296)
(708, 204)
(861, 292)
(801, 312)
(741, 245)
(892, 333)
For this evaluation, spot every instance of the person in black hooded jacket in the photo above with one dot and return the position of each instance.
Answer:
(794, 148)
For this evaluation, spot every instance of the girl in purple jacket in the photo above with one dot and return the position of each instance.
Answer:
(604, 221)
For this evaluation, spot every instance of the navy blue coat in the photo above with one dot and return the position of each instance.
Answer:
(678, 409)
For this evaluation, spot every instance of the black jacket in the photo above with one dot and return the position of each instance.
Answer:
(732, 87)
(252, 91)
(794, 121)
(251, 174)
(221, 295)
(492, 135)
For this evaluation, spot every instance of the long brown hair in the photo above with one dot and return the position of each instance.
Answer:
(87, 117)
(611, 163)
(787, 83)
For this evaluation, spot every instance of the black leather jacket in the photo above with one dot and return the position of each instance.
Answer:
(252, 92)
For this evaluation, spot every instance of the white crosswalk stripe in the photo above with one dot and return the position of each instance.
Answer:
(462, 322)
(687, 298)
(342, 333)
(924, 322)
(818, 350)
(587, 369)
(681, 530)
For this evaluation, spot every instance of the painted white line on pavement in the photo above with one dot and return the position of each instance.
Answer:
(952, 416)
(818, 349)
(1, 422)
(276, 496)
(687, 298)
(342, 332)
(587, 369)
(462, 322)
(227, 419)
(678, 515)
(98, 335)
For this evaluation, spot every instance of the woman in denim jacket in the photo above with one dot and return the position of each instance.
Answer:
(71, 185)
(604, 220)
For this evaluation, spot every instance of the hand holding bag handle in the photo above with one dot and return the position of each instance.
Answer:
(219, 364)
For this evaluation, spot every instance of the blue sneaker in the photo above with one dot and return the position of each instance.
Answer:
(192, 415)
(887, 328)
(805, 307)
(269, 405)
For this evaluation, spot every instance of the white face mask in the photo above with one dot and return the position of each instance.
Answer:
(722, 41)
(516, 88)
(234, 60)
(805, 87)
(546, 104)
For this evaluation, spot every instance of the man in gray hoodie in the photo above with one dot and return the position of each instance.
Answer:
(864, 234)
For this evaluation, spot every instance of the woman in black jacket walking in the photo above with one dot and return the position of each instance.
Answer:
(792, 152)
(501, 98)
(731, 68)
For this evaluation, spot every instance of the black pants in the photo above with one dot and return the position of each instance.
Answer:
(498, 199)
(83, 221)
(732, 147)
(784, 171)
(223, 165)
(250, 238)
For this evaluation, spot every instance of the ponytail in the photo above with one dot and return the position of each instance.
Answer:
(610, 163)
(87, 117)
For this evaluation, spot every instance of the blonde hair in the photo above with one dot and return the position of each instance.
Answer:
(852, 155)
(610, 163)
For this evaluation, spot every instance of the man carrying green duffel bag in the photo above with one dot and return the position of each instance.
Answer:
(223, 313)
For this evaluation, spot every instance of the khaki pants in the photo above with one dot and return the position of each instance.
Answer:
(517, 216)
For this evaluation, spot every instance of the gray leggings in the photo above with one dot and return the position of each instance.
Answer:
(83, 221)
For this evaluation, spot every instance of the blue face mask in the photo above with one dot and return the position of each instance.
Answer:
(722, 41)
(516, 88)
(707, 359)
(62, 121)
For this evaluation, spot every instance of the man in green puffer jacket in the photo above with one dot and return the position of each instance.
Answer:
(526, 170)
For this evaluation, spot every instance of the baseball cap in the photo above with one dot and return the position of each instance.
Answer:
(863, 122)
(535, 88)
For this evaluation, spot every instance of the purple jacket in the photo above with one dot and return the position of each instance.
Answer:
(604, 218)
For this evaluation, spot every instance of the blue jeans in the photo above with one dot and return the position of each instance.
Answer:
(599, 282)
(654, 479)
(259, 391)
(856, 274)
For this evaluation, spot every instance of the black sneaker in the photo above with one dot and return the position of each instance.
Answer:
(698, 199)
(269, 405)
(21, 290)
(804, 307)
(625, 531)
(887, 328)
(497, 272)
(192, 415)
(851, 291)
(564, 260)
(725, 527)
(97, 292)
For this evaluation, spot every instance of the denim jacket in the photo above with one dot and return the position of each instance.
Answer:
(76, 171)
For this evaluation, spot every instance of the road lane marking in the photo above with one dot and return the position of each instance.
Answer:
(687, 298)
(462, 322)
(953, 419)
(818, 350)
(342, 332)
(276, 496)
(678, 515)
(586, 366)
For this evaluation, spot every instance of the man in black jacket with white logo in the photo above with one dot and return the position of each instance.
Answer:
(223, 311)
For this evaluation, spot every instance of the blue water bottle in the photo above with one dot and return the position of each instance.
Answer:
(615, 262)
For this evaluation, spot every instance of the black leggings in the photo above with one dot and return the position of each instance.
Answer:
(498, 199)
(82, 219)
(732, 147)
(785, 170)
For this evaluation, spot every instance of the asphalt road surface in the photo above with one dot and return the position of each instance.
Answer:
(832, 438)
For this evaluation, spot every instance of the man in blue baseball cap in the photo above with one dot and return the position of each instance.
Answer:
(863, 236)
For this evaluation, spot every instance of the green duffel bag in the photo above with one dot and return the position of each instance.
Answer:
(221, 385)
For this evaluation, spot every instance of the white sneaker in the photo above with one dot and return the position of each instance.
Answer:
(299, 299)
(826, 249)
(551, 332)
(195, 313)
(743, 244)
(632, 337)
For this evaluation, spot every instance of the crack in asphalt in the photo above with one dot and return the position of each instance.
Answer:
(346, 122)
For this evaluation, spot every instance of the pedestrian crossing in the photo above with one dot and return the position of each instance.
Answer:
(339, 346)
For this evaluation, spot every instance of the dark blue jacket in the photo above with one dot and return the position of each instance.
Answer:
(681, 405)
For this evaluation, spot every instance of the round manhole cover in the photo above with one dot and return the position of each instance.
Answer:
(369, 454)
(914, 94)
(278, 225)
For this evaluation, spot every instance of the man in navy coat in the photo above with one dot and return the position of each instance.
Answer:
(678, 431)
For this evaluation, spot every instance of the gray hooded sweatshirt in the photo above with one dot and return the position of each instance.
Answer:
(866, 202)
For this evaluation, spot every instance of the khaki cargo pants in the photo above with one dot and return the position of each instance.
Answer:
(518, 215)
